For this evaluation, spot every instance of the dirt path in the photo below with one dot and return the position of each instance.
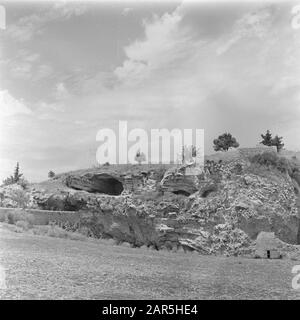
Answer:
(38, 267)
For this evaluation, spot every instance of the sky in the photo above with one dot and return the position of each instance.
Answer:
(69, 69)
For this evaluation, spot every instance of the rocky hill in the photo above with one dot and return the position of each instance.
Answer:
(219, 211)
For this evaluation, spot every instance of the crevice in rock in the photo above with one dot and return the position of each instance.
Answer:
(182, 192)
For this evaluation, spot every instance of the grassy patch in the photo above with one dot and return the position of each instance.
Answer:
(25, 226)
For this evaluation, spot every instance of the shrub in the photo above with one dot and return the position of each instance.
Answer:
(23, 183)
(271, 159)
(21, 198)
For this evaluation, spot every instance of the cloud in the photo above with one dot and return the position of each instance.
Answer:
(253, 24)
(10, 106)
(43, 71)
(245, 81)
(21, 70)
(162, 46)
(126, 11)
(200, 85)
(26, 65)
(61, 91)
(31, 25)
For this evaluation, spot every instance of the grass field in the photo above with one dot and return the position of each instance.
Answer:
(40, 267)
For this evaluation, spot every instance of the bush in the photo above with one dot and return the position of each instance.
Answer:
(21, 198)
(23, 183)
(271, 159)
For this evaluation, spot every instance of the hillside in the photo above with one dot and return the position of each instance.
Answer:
(220, 210)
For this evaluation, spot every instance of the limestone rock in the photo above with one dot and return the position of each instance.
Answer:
(96, 182)
(176, 181)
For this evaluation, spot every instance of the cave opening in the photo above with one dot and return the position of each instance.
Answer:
(107, 184)
(182, 192)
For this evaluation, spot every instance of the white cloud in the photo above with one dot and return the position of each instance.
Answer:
(163, 45)
(172, 78)
(28, 26)
(10, 106)
(61, 91)
(253, 24)
(126, 11)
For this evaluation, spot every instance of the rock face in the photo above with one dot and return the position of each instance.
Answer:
(100, 183)
(58, 201)
(220, 212)
(177, 182)
(252, 203)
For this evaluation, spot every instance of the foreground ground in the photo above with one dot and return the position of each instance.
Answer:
(39, 267)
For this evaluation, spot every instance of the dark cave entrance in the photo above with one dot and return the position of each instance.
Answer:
(182, 192)
(105, 183)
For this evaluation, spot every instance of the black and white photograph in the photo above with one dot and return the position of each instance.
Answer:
(149, 150)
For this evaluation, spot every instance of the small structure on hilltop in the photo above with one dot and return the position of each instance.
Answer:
(267, 246)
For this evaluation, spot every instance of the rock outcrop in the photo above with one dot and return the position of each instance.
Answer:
(219, 212)
(178, 182)
(96, 182)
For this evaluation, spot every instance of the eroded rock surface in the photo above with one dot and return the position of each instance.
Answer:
(96, 182)
(221, 212)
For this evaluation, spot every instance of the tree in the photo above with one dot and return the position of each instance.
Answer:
(277, 142)
(8, 181)
(17, 174)
(269, 141)
(51, 174)
(15, 178)
(140, 157)
(224, 142)
(267, 138)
